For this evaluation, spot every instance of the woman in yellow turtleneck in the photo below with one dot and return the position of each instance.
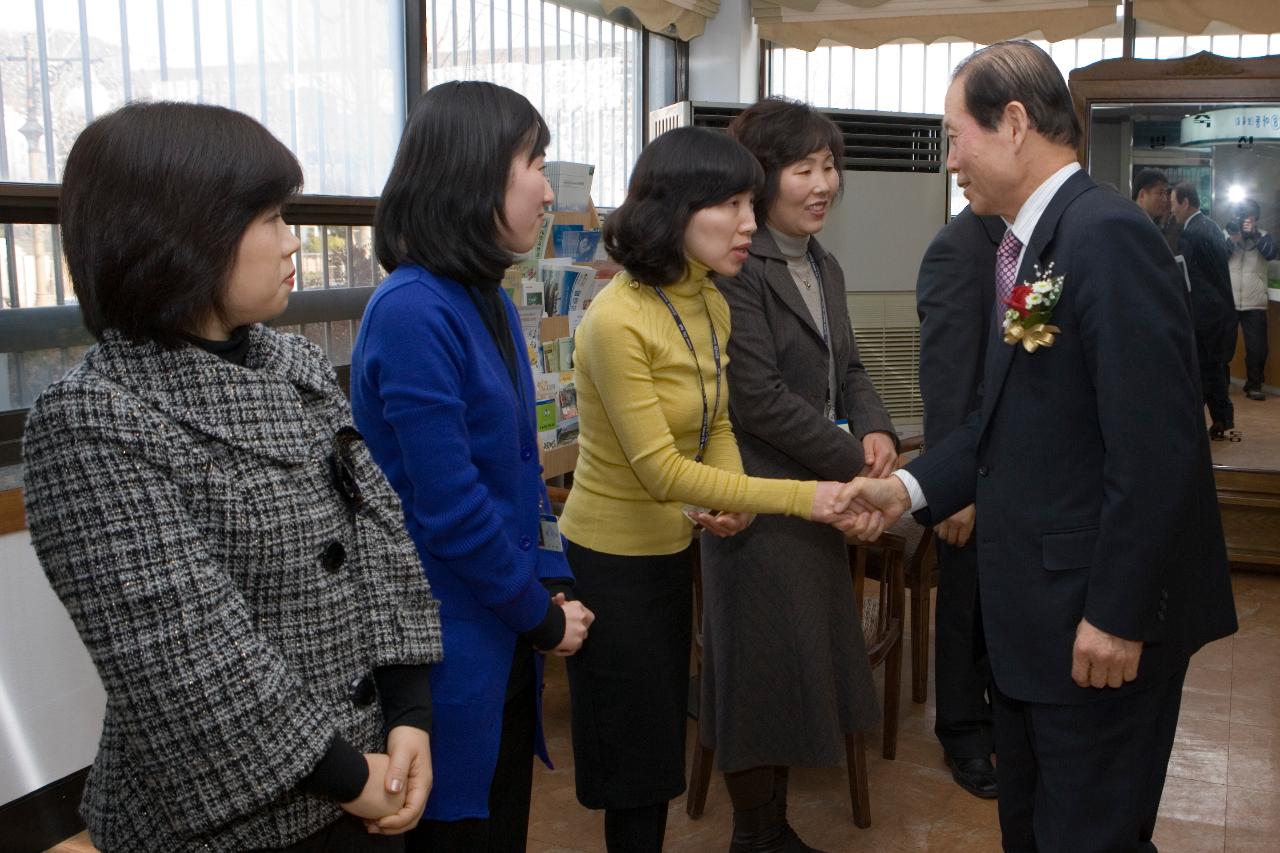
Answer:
(656, 450)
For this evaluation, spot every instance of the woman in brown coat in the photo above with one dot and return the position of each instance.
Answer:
(785, 665)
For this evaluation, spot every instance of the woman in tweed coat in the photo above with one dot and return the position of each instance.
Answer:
(234, 561)
(785, 672)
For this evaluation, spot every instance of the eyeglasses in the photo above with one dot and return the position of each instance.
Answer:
(342, 469)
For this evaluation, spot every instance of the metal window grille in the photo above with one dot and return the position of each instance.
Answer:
(582, 72)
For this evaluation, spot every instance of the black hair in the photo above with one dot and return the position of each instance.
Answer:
(779, 132)
(1187, 192)
(681, 172)
(155, 200)
(1019, 71)
(1248, 207)
(1146, 179)
(444, 199)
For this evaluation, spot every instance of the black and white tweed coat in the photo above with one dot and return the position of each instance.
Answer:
(181, 507)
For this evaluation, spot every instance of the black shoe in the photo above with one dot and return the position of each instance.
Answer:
(1218, 431)
(975, 775)
(1254, 394)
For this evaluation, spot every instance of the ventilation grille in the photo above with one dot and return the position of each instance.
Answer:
(888, 333)
(873, 142)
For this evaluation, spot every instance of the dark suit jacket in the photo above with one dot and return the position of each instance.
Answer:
(1090, 464)
(778, 370)
(1204, 249)
(954, 292)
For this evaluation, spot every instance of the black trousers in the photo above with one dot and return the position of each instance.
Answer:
(1253, 324)
(961, 669)
(507, 827)
(1084, 778)
(1213, 372)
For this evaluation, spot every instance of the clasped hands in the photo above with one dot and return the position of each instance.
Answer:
(399, 780)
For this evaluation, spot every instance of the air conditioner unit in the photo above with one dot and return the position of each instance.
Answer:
(895, 199)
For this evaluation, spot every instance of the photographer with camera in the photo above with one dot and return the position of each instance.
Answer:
(1250, 248)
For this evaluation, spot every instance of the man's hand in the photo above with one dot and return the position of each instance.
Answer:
(723, 524)
(878, 455)
(1100, 659)
(577, 619)
(872, 505)
(409, 771)
(955, 531)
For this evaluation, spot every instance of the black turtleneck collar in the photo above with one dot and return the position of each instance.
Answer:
(234, 349)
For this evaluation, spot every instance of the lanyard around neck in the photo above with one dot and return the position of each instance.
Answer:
(702, 386)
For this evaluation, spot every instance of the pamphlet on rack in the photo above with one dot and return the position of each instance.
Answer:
(571, 183)
(577, 243)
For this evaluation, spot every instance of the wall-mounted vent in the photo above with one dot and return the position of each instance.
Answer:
(873, 141)
(888, 332)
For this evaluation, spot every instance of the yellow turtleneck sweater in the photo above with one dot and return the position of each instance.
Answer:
(640, 414)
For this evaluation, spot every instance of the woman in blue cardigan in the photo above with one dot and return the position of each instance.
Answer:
(442, 391)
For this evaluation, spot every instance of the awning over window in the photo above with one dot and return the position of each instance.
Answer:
(683, 19)
(870, 23)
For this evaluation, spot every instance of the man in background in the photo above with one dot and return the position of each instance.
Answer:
(1151, 193)
(954, 293)
(1204, 249)
(1250, 249)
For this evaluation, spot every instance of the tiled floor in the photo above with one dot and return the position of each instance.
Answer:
(1223, 792)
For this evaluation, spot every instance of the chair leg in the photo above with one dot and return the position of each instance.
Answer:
(699, 777)
(859, 791)
(892, 691)
(920, 643)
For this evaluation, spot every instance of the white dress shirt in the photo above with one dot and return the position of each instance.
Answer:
(1023, 226)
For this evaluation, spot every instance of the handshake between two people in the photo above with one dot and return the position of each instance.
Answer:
(862, 508)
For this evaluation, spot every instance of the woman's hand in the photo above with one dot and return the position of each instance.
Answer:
(409, 770)
(375, 801)
(577, 618)
(723, 524)
(878, 454)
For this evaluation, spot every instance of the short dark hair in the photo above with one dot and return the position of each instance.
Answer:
(779, 132)
(681, 172)
(445, 196)
(1146, 179)
(155, 200)
(1187, 192)
(1019, 71)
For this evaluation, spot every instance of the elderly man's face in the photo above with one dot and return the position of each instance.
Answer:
(984, 160)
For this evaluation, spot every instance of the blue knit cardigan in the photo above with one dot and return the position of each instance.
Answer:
(437, 408)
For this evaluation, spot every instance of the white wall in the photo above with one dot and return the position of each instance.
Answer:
(724, 60)
(51, 701)
(880, 229)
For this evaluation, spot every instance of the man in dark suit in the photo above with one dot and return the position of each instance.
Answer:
(1204, 250)
(954, 293)
(1101, 561)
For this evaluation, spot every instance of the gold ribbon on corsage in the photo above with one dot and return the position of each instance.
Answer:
(1033, 337)
(1030, 307)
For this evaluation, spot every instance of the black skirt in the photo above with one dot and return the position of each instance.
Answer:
(629, 683)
